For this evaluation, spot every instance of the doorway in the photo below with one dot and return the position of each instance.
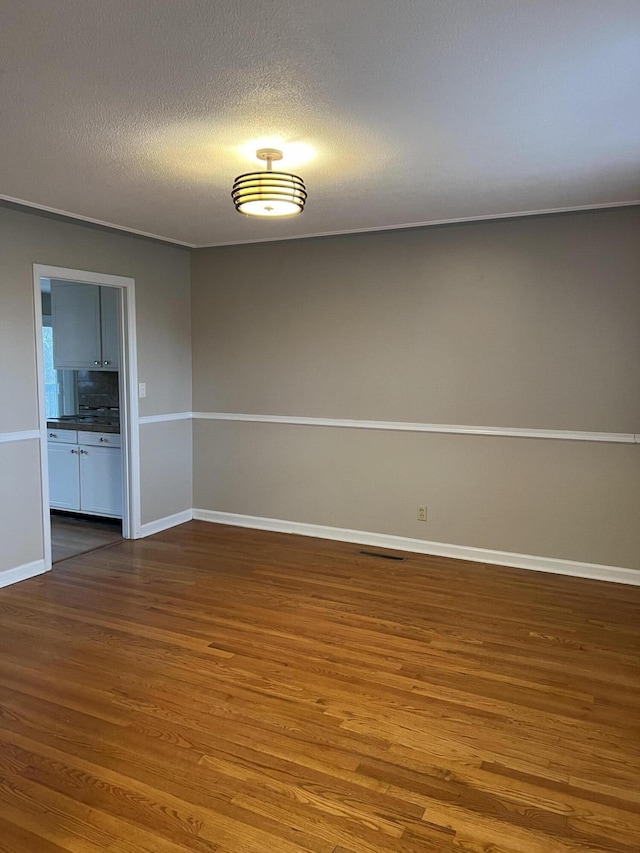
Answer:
(88, 415)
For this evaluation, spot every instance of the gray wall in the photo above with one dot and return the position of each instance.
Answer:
(20, 504)
(523, 323)
(162, 277)
(165, 468)
(527, 323)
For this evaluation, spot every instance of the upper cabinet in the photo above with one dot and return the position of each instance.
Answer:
(85, 321)
(110, 327)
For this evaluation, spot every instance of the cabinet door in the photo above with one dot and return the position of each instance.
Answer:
(101, 481)
(64, 476)
(110, 327)
(75, 318)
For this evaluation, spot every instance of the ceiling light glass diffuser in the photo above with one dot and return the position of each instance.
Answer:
(269, 193)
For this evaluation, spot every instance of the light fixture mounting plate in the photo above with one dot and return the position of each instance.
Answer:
(269, 154)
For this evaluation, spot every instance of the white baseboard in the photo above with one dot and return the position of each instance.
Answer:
(22, 573)
(165, 523)
(594, 571)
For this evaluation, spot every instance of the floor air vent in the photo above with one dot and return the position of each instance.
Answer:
(382, 556)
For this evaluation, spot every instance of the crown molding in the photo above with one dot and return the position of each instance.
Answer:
(489, 217)
(111, 226)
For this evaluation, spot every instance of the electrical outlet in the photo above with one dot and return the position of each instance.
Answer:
(142, 389)
(422, 513)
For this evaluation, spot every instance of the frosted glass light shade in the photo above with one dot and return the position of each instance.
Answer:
(269, 194)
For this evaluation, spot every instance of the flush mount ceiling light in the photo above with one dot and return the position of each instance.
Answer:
(269, 193)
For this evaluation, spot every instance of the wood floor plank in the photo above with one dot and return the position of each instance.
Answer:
(72, 535)
(219, 690)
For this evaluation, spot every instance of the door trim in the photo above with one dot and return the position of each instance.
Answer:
(128, 376)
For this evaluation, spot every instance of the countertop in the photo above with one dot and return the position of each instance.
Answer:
(88, 423)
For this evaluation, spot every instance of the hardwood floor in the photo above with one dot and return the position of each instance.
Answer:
(72, 535)
(218, 689)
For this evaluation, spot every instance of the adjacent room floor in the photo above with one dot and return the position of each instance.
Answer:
(73, 534)
(220, 690)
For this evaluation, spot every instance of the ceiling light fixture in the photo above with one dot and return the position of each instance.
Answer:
(269, 193)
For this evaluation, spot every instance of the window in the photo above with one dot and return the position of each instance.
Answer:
(50, 375)
(60, 394)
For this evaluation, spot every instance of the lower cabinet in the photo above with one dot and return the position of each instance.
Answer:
(64, 476)
(85, 472)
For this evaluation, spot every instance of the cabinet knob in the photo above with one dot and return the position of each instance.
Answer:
(105, 363)
(73, 450)
(96, 362)
(104, 439)
(84, 452)
(52, 435)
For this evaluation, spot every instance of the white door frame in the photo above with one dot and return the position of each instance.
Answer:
(128, 395)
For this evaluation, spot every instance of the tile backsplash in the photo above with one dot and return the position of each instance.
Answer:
(98, 389)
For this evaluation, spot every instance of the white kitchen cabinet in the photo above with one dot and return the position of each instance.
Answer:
(110, 327)
(64, 481)
(68, 436)
(100, 481)
(85, 321)
(85, 476)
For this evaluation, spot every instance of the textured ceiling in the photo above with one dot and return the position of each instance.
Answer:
(137, 113)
